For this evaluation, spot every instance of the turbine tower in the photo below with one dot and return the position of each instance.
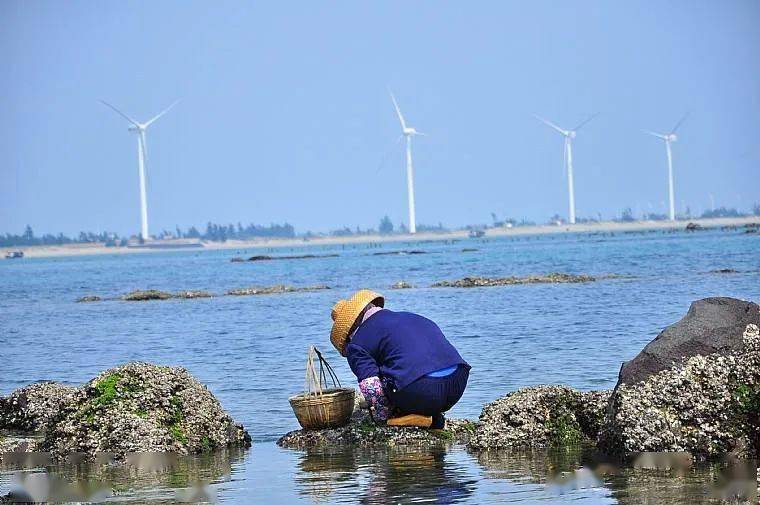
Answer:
(408, 132)
(142, 154)
(568, 161)
(669, 138)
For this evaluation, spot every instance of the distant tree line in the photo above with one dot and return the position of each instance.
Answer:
(221, 233)
(213, 232)
(29, 238)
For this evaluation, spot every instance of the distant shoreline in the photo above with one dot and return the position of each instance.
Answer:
(47, 251)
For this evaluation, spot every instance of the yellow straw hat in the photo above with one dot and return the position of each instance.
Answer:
(346, 312)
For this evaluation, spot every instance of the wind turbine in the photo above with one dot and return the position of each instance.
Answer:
(142, 153)
(669, 138)
(569, 136)
(408, 132)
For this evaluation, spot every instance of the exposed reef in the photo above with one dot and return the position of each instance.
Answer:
(273, 290)
(150, 294)
(402, 285)
(399, 253)
(266, 257)
(192, 294)
(478, 282)
(89, 298)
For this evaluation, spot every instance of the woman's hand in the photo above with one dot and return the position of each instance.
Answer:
(372, 389)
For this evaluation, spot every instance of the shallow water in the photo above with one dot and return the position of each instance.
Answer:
(250, 350)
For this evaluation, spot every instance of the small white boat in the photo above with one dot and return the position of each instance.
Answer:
(10, 255)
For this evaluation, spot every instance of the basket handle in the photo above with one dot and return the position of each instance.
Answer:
(323, 361)
(315, 381)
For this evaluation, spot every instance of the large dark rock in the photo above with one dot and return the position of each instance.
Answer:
(711, 325)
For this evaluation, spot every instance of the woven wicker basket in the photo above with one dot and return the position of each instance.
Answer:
(319, 408)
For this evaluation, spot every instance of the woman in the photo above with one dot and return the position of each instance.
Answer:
(407, 370)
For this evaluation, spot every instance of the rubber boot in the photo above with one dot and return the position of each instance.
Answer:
(411, 420)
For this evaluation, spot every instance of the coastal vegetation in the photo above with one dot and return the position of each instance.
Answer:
(215, 232)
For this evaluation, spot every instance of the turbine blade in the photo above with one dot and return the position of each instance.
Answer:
(153, 120)
(420, 133)
(586, 121)
(398, 111)
(679, 123)
(120, 113)
(550, 124)
(658, 135)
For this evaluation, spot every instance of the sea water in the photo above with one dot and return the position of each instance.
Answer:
(251, 350)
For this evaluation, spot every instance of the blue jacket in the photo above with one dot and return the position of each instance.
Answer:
(399, 347)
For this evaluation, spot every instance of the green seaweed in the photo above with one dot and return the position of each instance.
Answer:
(206, 444)
(446, 435)
(366, 427)
(177, 433)
(469, 426)
(106, 389)
(748, 397)
(141, 413)
(564, 430)
(175, 424)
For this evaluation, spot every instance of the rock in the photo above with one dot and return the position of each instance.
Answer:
(89, 298)
(398, 253)
(17, 444)
(31, 407)
(264, 257)
(237, 259)
(139, 407)
(540, 416)
(707, 405)
(193, 294)
(477, 282)
(711, 325)
(694, 227)
(470, 249)
(724, 271)
(363, 432)
(150, 294)
(273, 290)
(402, 285)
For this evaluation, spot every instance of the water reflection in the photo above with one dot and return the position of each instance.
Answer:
(387, 475)
(570, 470)
(147, 476)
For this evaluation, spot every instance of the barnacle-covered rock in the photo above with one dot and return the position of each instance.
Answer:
(479, 282)
(274, 290)
(30, 408)
(190, 294)
(705, 405)
(363, 432)
(540, 416)
(137, 407)
(142, 296)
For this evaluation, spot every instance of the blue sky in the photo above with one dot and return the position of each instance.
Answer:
(285, 114)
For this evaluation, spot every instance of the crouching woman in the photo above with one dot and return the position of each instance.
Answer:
(408, 371)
